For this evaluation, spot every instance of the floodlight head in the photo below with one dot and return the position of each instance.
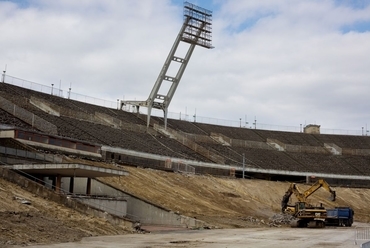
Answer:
(198, 30)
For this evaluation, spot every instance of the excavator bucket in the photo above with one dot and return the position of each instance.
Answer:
(333, 196)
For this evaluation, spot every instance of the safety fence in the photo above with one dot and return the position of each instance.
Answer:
(362, 234)
(55, 91)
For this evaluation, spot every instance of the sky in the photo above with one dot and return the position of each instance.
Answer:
(275, 63)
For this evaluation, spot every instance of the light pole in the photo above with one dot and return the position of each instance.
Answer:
(243, 165)
(3, 77)
(4, 71)
(117, 103)
(52, 87)
(240, 122)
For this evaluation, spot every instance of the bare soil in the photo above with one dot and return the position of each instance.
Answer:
(221, 202)
(30, 219)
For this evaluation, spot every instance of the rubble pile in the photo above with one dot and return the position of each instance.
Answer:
(277, 220)
(253, 220)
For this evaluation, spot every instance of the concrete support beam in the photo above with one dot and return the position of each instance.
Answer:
(71, 184)
(58, 184)
(88, 186)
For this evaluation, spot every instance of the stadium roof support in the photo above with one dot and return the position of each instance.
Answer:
(196, 30)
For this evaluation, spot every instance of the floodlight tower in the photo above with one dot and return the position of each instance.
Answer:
(196, 30)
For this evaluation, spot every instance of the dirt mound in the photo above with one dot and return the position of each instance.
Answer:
(228, 202)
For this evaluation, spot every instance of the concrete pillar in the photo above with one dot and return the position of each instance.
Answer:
(58, 184)
(88, 186)
(40, 179)
(53, 179)
(71, 184)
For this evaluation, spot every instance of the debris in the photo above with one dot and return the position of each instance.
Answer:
(21, 200)
(137, 227)
(25, 202)
(278, 220)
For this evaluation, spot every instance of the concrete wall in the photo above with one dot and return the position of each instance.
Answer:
(137, 209)
(112, 206)
(7, 133)
(97, 188)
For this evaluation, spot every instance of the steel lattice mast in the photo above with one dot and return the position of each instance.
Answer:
(196, 30)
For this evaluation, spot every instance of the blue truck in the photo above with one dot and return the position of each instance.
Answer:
(339, 216)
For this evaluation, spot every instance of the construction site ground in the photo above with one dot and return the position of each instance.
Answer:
(223, 203)
(221, 238)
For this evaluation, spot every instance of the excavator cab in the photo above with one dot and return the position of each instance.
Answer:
(333, 196)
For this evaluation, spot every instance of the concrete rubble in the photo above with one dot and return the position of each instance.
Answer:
(278, 220)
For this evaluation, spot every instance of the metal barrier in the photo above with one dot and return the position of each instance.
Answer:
(30, 155)
(362, 233)
(183, 167)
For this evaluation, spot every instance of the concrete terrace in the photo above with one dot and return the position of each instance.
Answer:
(184, 141)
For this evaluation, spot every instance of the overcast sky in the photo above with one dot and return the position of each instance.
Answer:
(285, 62)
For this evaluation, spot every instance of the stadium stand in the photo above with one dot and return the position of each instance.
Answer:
(262, 149)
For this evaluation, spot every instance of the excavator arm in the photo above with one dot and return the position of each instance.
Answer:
(319, 183)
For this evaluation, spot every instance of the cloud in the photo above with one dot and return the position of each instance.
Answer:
(285, 62)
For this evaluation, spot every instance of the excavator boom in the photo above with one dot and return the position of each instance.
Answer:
(321, 183)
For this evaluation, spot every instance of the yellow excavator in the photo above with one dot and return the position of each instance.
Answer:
(306, 215)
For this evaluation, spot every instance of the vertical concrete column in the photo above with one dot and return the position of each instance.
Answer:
(88, 186)
(40, 179)
(71, 184)
(53, 179)
(58, 183)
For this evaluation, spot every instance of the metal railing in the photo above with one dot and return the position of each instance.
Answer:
(57, 92)
(181, 167)
(30, 155)
(363, 234)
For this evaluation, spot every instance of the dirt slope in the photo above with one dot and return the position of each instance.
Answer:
(227, 202)
(221, 202)
(38, 220)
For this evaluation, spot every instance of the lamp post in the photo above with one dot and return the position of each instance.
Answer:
(240, 122)
(3, 81)
(52, 87)
(4, 71)
(243, 165)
